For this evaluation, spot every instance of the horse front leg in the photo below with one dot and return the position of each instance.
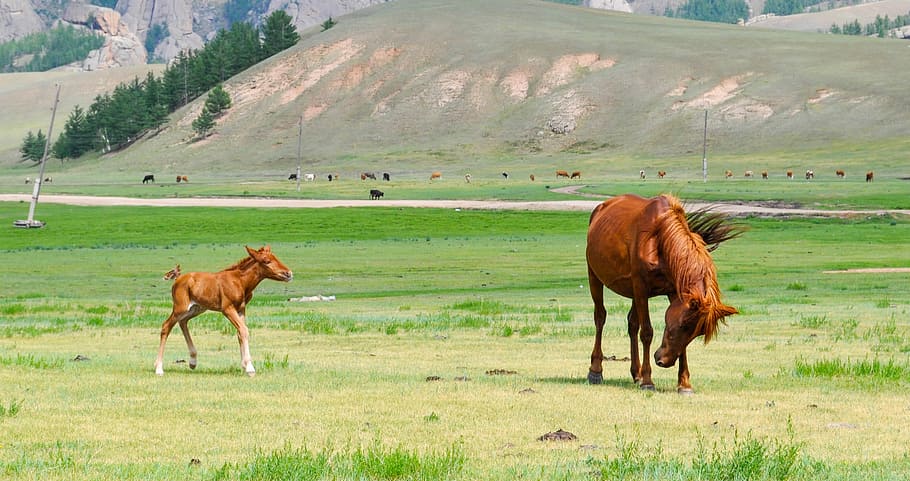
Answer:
(682, 385)
(238, 319)
(595, 372)
(646, 335)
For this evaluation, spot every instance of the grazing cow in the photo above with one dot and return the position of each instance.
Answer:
(728, 174)
(562, 173)
(182, 178)
(764, 174)
(840, 173)
(435, 175)
(334, 177)
(386, 177)
(532, 177)
(748, 174)
(789, 174)
(505, 175)
(309, 177)
(661, 174)
(48, 180)
(28, 180)
(810, 174)
(869, 176)
(376, 193)
(292, 177)
(367, 175)
(148, 178)
(467, 178)
(576, 174)
(641, 174)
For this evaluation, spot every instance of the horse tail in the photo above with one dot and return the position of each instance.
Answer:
(713, 227)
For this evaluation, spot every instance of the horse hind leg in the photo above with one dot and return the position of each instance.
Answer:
(185, 328)
(595, 372)
(180, 316)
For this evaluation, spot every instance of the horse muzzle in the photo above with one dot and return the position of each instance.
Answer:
(287, 276)
(662, 360)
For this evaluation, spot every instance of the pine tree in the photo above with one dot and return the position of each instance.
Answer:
(218, 101)
(278, 33)
(204, 123)
(33, 146)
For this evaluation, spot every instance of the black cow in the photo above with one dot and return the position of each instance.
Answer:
(505, 175)
(148, 178)
(376, 193)
(292, 177)
(386, 176)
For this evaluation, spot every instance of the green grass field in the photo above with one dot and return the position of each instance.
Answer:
(808, 382)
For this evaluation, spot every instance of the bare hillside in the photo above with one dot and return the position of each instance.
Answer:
(451, 83)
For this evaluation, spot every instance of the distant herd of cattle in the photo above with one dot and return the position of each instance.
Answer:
(377, 194)
(810, 174)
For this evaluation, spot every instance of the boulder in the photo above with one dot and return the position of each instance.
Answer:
(18, 19)
(121, 47)
(141, 15)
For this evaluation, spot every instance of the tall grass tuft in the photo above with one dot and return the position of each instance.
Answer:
(748, 459)
(11, 409)
(875, 369)
(375, 462)
(30, 360)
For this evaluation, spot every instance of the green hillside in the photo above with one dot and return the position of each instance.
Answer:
(444, 85)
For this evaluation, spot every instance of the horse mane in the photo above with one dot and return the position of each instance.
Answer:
(689, 262)
(240, 265)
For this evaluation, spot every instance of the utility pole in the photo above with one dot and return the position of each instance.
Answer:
(704, 154)
(31, 222)
(299, 141)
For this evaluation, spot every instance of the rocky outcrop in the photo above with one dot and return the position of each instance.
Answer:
(617, 5)
(141, 15)
(121, 47)
(307, 13)
(18, 19)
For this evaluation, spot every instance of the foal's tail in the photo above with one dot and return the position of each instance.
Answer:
(172, 274)
(713, 227)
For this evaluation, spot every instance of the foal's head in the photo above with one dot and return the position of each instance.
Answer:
(272, 268)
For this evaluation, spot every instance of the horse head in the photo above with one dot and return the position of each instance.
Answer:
(687, 318)
(272, 268)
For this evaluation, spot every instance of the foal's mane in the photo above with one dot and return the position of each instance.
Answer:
(690, 265)
(242, 264)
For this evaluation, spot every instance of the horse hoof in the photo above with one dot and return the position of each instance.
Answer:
(685, 391)
(595, 377)
(646, 387)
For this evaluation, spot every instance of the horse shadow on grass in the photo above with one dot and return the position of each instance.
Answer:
(616, 382)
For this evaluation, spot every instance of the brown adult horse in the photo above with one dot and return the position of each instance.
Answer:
(227, 292)
(641, 248)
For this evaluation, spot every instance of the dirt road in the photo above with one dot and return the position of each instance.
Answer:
(586, 204)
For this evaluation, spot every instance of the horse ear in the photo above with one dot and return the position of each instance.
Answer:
(253, 253)
(725, 311)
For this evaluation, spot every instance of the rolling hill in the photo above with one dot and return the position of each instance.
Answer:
(445, 84)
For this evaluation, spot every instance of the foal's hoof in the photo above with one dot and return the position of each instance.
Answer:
(646, 387)
(685, 391)
(595, 377)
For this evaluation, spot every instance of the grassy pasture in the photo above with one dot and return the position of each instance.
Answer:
(814, 360)
(826, 191)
